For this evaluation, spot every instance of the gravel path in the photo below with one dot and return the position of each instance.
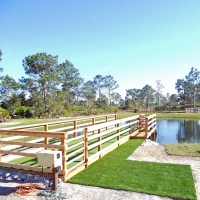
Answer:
(149, 151)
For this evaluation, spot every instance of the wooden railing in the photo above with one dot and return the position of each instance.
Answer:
(150, 125)
(80, 150)
(72, 124)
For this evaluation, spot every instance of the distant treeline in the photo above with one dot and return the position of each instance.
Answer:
(53, 89)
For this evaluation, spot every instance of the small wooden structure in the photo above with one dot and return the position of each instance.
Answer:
(192, 110)
(81, 146)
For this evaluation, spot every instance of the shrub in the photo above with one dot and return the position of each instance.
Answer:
(4, 113)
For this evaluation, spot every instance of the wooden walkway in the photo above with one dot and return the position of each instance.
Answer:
(138, 135)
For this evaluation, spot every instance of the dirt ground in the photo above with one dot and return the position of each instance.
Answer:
(148, 151)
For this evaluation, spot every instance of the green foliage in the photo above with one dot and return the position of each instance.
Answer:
(43, 70)
(4, 113)
(12, 104)
(73, 110)
(183, 149)
(23, 111)
(0, 54)
(188, 89)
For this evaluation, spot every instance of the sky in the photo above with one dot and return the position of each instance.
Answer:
(135, 41)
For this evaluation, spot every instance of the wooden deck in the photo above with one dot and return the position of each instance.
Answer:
(138, 135)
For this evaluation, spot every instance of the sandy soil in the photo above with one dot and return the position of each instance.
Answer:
(149, 151)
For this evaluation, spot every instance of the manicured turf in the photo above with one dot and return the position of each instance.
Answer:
(183, 149)
(114, 171)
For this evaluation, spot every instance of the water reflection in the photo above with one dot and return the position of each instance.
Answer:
(178, 131)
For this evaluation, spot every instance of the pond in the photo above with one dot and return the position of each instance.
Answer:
(177, 131)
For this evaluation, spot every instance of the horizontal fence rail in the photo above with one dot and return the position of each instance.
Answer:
(81, 146)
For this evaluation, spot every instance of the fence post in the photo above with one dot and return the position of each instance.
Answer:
(75, 127)
(129, 121)
(146, 127)
(115, 119)
(140, 123)
(86, 147)
(118, 130)
(99, 139)
(106, 121)
(93, 123)
(46, 139)
(64, 157)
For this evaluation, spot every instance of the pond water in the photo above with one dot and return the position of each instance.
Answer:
(177, 131)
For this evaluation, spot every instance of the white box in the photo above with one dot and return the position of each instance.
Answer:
(50, 158)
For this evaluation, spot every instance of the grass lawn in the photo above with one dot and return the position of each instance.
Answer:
(183, 149)
(114, 171)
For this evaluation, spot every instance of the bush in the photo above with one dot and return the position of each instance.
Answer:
(4, 113)
(23, 111)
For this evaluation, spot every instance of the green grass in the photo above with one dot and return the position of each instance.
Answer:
(176, 115)
(183, 149)
(114, 171)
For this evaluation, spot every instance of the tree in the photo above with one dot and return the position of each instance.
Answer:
(11, 103)
(193, 79)
(78, 90)
(71, 80)
(42, 68)
(110, 86)
(8, 87)
(99, 82)
(116, 98)
(0, 54)
(1, 69)
(159, 88)
(173, 100)
(188, 88)
(89, 93)
(147, 94)
(182, 89)
(135, 95)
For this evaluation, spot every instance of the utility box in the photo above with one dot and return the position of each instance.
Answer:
(50, 158)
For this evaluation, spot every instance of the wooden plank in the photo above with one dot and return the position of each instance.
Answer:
(46, 140)
(86, 146)
(33, 133)
(99, 140)
(52, 123)
(149, 134)
(76, 169)
(73, 139)
(106, 139)
(112, 123)
(74, 152)
(64, 156)
(77, 157)
(138, 134)
(152, 125)
(33, 144)
(24, 167)
(18, 153)
(74, 145)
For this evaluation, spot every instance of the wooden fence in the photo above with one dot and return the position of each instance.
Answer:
(81, 146)
(192, 110)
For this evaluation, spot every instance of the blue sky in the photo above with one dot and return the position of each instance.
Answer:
(136, 41)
